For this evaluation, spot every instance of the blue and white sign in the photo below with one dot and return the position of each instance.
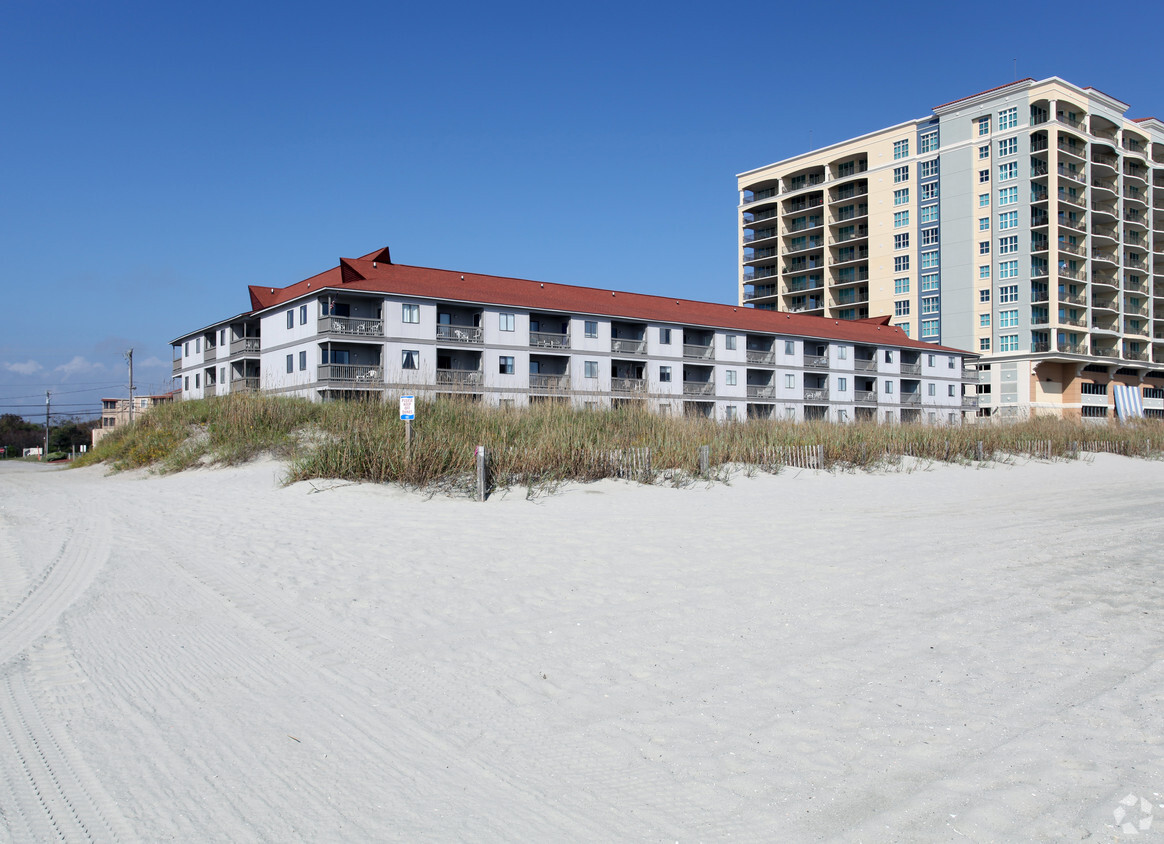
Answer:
(408, 407)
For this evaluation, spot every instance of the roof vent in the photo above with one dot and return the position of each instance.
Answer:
(373, 265)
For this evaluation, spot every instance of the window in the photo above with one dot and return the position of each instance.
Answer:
(984, 273)
(984, 295)
(339, 356)
(901, 241)
(931, 360)
(591, 369)
(592, 329)
(303, 361)
(929, 191)
(929, 214)
(1008, 343)
(984, 344)
(929, 305)
(198, 344)
(842, 352)
(929, 237)
(290, 358)
(505, 364)
(888, 386)
(950, 390)
(927, 143)
(950, 363)
(929, 260)
(505, 322)
(1008, 196)
(900, 286)
(1008, 118)
(410, 359)
(1008, 269)
(983, 200)
(1008, 319)
(984, 320)
(198, 379)
(901, 308)
(900, 219)
(983, 126)
(303, 315)
(410, 314)
(665, 337)
(1008, 220)
(901, 149)
(929, 328)
(984, 247)
(1009, 293)
(1008, 146)
(665, 374)
(730, 413)
(789, 347)
(983, 224)
(186, 349)
(901, 196)
(222, 337)
(1008, 171)
(186, 384)
(901, 264)
(929, 282)
(729, 342)
(984, 151)
(983, 176)
(904, 326)
(291, 319)
(900, 174)
(730, 377)
(888, 356)
(790, 382)
(842, 384)
(928, 169)
(1007, 245)
(931, 389)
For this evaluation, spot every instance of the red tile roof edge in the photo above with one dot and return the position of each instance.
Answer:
(452, 285)
(987, 91)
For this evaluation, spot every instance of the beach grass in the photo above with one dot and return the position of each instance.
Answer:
(552, 442)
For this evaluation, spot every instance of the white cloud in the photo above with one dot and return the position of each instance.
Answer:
(154, 362)
(29, 367)
(79, 366)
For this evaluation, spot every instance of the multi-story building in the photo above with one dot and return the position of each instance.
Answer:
(1025, 223)
(116, 412)
(371, 327)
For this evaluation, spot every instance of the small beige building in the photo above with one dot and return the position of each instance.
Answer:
(115, 412)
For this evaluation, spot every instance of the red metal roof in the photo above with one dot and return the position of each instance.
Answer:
(366, 274)
(987, 91)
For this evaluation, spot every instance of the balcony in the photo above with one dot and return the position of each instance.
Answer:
(177, 365)
(357, 375)
(865, 364)
(911, 398)
(759, 195)
(209, 353)
(459, 334)
(699, 388)
(628, 385)
(911, 369)
(969, 402)
(458, 379)
(549, 340)
(1074, 175)
(628, 346)
(1071, 348)
(761, 391)
(764, 358)
(1078, 200)
(816, 393)
(209, 389)
(759, 291)
(244, 385)
(698, 351)
(544, 383)
(245, 345)
(816, 361)
(351, 325)
(865, 396)
(1076, 223)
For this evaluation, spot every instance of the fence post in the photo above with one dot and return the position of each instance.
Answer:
(482, 471)
(820, 457)
(978, 451)
(705, 460)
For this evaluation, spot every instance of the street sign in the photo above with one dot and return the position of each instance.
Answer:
(408, 407)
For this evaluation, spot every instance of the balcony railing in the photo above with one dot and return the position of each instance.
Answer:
(209, 389)
(549, 340)
(911, 369)
(628, 346)
(817, 361)
(177, 364)
(553, 383)
(816, 393)
(628, 385)
(210, 353)
(245, 345)
(865, 396)
(248, 385)
(698, 351)
(459, 333)
(866, 364)
(1071, 348)
(351, 325)
(699, 388)
(767, 358)
(356, 374)
(911, 398)
(458, 378)
(761, 391)
(969, 401)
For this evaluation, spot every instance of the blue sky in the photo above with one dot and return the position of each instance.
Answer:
(158, 158)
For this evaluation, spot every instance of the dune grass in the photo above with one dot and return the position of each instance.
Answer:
(551, 443)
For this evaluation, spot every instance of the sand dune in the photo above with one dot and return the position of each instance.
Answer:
(946, 654)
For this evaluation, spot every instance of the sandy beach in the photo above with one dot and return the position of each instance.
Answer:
(945, 654)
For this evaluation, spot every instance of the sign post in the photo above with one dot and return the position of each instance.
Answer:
(407, 413)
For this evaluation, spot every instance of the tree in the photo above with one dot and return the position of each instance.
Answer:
(19, 434)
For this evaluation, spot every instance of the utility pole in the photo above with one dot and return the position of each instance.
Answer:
(129, 357)
(44, 454)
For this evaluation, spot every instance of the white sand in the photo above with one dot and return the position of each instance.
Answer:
(944, 655)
